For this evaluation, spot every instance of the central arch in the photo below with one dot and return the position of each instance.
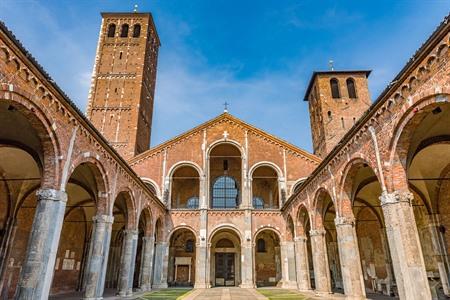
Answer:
(225, 253)
(267, 258)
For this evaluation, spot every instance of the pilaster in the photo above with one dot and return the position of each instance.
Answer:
(320, 261)
(302, 264)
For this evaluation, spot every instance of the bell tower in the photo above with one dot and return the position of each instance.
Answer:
(123, 81)
(337, 99)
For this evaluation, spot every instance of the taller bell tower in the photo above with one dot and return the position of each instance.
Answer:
(337, 99)
(123, 81)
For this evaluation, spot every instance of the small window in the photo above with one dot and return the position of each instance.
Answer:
(329, 115)
(261, 245)
(334, 84)
(111, 30)
(124, 31)
(192, 202)
(343, 124)
(189, 247)
(136, 30)
(351, 88)
(258, 202)
(120, 55)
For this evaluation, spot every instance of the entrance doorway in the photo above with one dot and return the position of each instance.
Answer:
(225, 269)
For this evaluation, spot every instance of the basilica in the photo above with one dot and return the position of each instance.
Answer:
(86, 206)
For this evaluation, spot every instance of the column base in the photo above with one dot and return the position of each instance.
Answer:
(90, 298)
(201, 285)
(247, 285)
(289, 285)
(355, 298)
(160, 286)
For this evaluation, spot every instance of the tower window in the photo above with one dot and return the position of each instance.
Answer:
(120, 55)
(124, 30)
(136, 30)
(329, 115)
(351, 88)
(334, 84)
(111, 30)
(342, 121)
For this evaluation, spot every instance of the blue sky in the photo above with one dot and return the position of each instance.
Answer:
(256, 55)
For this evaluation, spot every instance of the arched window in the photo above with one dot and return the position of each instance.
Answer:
(192, 202)
(189, 247)
(351, 88)
(225, 193)
(261, 245)
(124, 30)
(334, 84)
(258, 202)
(136, 30)
(111, 30)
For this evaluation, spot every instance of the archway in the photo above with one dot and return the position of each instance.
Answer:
(123, 220)
(267, 258)
(225, 254)
(303, 251)
(144, 252)
(424, 147)
(26, 153)
(360, 197)
(185, 188)
(83, 203)
(225, 176)
(265, 191)
(182, 254)
(325, 216)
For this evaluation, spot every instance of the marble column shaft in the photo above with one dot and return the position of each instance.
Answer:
(404, 245)
(302, 264)
(350, 260)
(320, 261)
(39, 263)
(127, 264)
(148, 245)
(98, 257)
(161, 265)
(288, 270)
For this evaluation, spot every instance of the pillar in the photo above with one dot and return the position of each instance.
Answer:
(247, 253)
(37, 270)
(404, 245)
(288, 265)
(349, 257)
(148, 244)
(98, 257)
(301, 263)
(201, 278)
(320, 261)
(127, 263)
(160, 266)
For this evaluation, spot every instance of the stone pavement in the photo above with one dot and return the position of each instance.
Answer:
(231, 293)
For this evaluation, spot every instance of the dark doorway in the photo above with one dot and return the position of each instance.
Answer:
(225, 269)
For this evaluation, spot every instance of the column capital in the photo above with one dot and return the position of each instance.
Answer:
(302, 238)
(45, 194)
(341, 221)
(317, 232)
(396, 197)
(103, 219)
(131, 232)
(148, 238)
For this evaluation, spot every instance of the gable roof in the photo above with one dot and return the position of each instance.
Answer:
(219, 118)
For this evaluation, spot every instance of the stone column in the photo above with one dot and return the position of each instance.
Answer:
(127, 263)
(148, 244)
(38, 267)
(320, 261)
(98, 257)
(247, 253)
(201, 281)
(288, 265)
(404, 245)
(161, 265)
(301, 263)
(349, 257)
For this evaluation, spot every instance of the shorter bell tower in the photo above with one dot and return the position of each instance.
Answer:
(337, 99)
(123, 81)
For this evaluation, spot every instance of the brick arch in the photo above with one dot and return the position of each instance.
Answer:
(302, 220)
(130, 206)
(345, 187)
(159, 229)
(265, 164)
(185, 163)
(146, 213)
(40, 121)
(317, 213)
(266, 227)
(181, 227)
(154, 185)
(290, 232)
(398, 151)
(225, 226)
(225, 141)
(101, 179)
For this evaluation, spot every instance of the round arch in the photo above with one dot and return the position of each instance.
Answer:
(225, 141)
(154, 185)
(130, 206)
(297, 184)
(265, 164)
(181, 227)
(225, 226)
(185, 163)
